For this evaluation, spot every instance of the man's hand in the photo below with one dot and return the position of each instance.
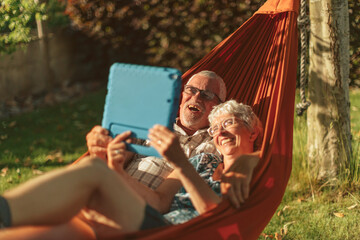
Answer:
(235, 182)
(117, 153)
(97, 141)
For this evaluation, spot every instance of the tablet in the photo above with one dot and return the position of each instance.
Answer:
(138, 97)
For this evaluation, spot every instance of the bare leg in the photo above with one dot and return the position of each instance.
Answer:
(56, 197)
(72, 230)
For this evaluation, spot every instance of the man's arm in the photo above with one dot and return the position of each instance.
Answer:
(235, 182)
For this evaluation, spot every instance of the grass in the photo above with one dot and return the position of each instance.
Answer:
(313, 211)
(54, 136)
(47, 138)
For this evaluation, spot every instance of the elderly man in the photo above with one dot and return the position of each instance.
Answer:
(202, 92)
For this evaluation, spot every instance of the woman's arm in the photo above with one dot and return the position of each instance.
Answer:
(166, 143)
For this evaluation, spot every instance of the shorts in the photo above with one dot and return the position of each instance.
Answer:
(153, 219)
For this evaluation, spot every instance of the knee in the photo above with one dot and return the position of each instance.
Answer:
(92, 161)
(96, 161)
(94, 166)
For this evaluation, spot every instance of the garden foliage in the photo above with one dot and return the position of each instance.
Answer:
(18, 20)
(160, 32)
(176, 33)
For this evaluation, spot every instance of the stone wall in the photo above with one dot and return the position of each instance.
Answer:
(64, 59)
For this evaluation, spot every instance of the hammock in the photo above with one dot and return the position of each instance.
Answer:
(258, 64)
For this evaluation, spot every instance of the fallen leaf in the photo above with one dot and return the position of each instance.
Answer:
(27, 162)
(278, 236)
(283, 210)
(339, 215)
(285, 229)
(3, 137)
(4, 171)
(352, 207)
(59, 128)
(12, 124)
(267, 236)
(55, 156)
(286, 207)
(37, 172)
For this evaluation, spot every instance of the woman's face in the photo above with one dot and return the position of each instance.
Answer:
(233, 140)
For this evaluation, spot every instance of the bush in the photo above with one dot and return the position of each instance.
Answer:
(163, 33)
(18, 18)
(175, 33)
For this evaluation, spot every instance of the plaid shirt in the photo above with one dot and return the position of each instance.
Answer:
(151, 171)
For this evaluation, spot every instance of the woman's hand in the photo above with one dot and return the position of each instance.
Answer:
(235, 182)
(167, 144)
(117, 153)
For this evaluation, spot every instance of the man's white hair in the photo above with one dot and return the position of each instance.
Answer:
(244, 113)
(213, 75)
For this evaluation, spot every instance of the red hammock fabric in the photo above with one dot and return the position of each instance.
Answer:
(258, 63)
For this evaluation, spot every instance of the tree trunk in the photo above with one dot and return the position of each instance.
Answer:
(45, 50)
(329, 136)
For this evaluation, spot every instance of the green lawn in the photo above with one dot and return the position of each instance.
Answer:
(54, 136)
(46, 138)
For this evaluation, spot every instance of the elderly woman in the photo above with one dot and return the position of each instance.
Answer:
(56, 197)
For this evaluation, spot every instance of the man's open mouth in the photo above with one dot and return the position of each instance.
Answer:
(194, 108)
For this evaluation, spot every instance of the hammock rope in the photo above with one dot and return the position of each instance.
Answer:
(303, 22)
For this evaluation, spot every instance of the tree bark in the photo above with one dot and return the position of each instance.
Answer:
(329, 136)
(45, 50)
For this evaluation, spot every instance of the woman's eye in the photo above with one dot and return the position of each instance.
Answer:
(228, 123)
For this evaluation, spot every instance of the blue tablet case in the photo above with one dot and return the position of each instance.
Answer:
(138, 97)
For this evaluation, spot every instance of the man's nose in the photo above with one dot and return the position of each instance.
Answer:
(197, 95)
